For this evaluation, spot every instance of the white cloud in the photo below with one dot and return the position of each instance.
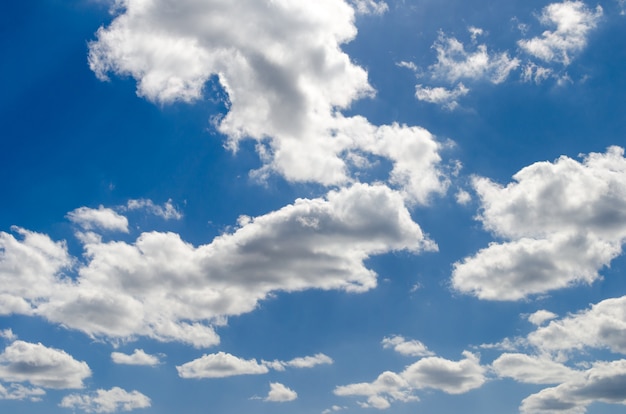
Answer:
(280, 393)
(370, 6)
(475, 32)
(574, 21)
(20, 392)
(286, 89)
(333, 409)
(563, 220)
(138, 357)
(463, 197)
(402, 346)
(531, 369)
(41, 366)
(106, 401)
(452, 377)
(302, 362)
(604, 382)
(600, 326)
(30, 267)
(309, 361)
(166, 211)
(408, 65)
(102, 218)
(541, 316)
(388, 387)
(220, 365)
(164, 288)
(455, 63)
(535, 73)
(447, 98)
(8, 335)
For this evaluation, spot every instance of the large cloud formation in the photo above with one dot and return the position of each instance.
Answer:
(164, 288)
(562, 222)
(286, 89)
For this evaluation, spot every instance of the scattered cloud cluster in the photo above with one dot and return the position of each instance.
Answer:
(562, 221)
(554, 358)
(573, 22)
(19, 392)
(452, 377)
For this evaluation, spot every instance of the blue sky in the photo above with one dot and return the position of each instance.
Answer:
(313, 207)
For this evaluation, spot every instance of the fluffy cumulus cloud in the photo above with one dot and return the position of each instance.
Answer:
(101, 218)
(454, 62)
(603, 382)
(220, 365)
(562, 221)
(406, 347)
(106, 401)
(164, 288)
(138, 357)
(41, 366)
(532, 369)
(285, 90)
(280, 393)
(600, 326)
(31, 265)
(572, 22)
(541, 316)
(452, 377)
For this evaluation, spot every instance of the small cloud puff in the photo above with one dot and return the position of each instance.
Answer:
(280, 393)
(447, 98)
(541, 316)
(138, 357)
(409, 348)
(101, 218)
